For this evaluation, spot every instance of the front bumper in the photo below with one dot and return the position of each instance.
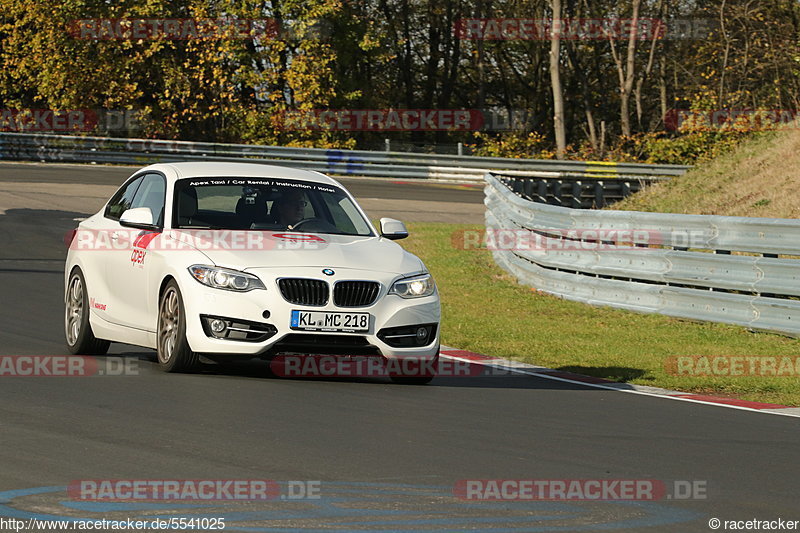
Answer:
(388, 311)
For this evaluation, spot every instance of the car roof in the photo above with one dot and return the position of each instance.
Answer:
(242, 170)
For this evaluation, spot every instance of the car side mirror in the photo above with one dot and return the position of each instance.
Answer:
(139, 217)
(393, 229)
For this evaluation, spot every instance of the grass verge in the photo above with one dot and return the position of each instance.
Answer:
(486, 311)
(760, 178)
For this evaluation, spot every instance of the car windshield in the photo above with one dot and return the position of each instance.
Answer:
(266, 204)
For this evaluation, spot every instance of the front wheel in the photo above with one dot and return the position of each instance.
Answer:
(77, 329)
(174, 353)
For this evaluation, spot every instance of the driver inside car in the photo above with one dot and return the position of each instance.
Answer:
(289, 209)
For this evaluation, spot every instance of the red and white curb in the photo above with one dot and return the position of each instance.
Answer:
(600, 383)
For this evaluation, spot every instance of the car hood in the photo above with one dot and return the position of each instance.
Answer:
(242, 250)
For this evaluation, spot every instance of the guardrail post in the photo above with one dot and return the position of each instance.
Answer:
(577, 192)
(527, 189)
(541, 191)
(599, 195)
(387, 144)
(460, 148)
(557, 192)
(625, 190)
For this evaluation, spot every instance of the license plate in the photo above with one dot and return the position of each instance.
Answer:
(325, 321)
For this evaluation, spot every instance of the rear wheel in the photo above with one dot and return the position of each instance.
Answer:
(77, 329)
(174, 354)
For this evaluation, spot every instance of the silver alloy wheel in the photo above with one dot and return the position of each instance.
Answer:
(73, 314)
(168, 322)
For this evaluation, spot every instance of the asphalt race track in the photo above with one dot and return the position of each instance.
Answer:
(385, 456)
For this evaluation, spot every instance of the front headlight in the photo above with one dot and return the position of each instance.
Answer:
(225, 278)
(414, 287)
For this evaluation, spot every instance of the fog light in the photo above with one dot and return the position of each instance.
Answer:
(218, 326)
(412, 336)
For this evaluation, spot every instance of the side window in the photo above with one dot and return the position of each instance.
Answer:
(151, 194)
(345, 215)
(122, 199)
(340, 218)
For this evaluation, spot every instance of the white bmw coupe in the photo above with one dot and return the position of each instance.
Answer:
(237, 260)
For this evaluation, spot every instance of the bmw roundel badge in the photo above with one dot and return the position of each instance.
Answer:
(328, 271)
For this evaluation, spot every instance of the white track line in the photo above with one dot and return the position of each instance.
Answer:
(791, 412)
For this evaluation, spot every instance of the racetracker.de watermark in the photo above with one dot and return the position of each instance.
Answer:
(738, 119)
(105, 524)
(592, 239)
(355, 366)
(172, 29)
(140, 241)
(733, 366)
(579, 29)
(114, 490)
(405, 119)
(753, 524)
(579, 489)
(68, 120)
(66, 366)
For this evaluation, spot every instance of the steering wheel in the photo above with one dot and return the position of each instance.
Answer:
(295, 226)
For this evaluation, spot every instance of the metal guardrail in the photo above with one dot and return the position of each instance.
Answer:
(80, 149)
(578, 192)
(676, 265)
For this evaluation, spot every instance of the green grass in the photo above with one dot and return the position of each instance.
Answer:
(759, 178)
(486, 311)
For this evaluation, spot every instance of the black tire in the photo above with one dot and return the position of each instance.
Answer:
(77, 329)
(419, 378)
(174, 354)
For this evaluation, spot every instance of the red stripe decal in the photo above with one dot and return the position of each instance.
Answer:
(144, 239)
